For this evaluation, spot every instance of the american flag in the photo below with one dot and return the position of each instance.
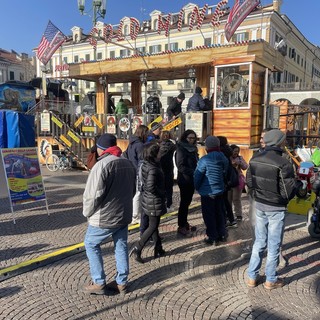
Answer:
(51, 40)
(238, 13)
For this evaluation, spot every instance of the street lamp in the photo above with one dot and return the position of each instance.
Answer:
(143, 80)
(98, 9)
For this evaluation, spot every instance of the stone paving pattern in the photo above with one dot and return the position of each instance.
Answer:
(193, 281)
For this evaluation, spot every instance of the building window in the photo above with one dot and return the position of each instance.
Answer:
(65, 60)
(21, 76)
(87, 57)
(99, 56)
(87, 84)
(76, 58)
(170, 81)
(207, 42)
(126, 30)
(141, 49)
(155, 49)
(154, 85)
(112, 85)
(11, 75)
(112, 54)
(124, 53)
(172, 46)
(189, 44)
(155, 24)
(239, 37)
(298, 59)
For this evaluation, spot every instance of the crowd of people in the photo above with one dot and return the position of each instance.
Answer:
(136, 186)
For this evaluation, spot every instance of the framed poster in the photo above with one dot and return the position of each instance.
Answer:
(194, 121)
(23, 175)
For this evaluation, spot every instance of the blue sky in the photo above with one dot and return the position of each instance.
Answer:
(22, 25)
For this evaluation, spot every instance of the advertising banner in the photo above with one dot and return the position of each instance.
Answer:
(23, 175)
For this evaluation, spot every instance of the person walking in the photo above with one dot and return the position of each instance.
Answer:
(196, 102)
(153, 200)
(174, 107)
(167, 149)
(134, 154)
(235, 193)
(186, 161)
(271, 182)
(209, 181)
(107, 204)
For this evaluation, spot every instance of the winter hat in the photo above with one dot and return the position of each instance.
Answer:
(198, 90)
(181, 96)
(212, 142)
(274, 137)
(155, 126)
(106, 141)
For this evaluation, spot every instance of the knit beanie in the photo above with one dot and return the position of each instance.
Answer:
(274, 137)
(181, 96)
(198, 90)
(106, 141)
(212, 142)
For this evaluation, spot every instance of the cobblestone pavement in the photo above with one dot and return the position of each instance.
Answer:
(193, 281)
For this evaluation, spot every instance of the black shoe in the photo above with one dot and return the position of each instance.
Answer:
(159, 252)
(136, 254)
(208, 241)
(223, 239)
(191, 228)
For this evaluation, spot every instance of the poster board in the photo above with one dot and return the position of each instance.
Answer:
(23, 176)
(194, 121)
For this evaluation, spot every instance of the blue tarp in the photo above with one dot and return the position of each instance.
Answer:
(16, 129)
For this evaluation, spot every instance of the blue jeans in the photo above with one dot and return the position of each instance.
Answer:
(269, 228)
(94, 237)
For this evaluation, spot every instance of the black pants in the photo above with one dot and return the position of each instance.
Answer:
(186, 194)
(213, 216)
(151, 231)
(168, 183)
(227, 207)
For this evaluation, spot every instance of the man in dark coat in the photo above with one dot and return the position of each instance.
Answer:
(196, 102)
(271, 181)
(175, 106)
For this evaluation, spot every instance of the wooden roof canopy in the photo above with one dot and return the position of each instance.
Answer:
(172, 65)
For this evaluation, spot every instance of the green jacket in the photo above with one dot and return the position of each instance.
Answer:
(121, 108)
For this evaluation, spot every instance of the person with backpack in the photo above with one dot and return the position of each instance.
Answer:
(153, 105)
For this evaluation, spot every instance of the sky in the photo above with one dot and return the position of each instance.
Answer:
(21, 27)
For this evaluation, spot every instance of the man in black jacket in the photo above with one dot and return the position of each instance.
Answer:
(271, 181)
(175, 106)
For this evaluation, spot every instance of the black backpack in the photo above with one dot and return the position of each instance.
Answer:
(232, 176)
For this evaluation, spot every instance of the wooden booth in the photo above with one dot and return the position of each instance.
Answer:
(240, 72)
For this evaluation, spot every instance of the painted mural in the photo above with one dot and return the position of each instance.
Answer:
(17, 97)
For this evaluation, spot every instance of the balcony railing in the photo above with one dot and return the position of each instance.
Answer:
(295, 86)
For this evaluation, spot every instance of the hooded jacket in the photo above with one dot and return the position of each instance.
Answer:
(110, 188)
(196, 103)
